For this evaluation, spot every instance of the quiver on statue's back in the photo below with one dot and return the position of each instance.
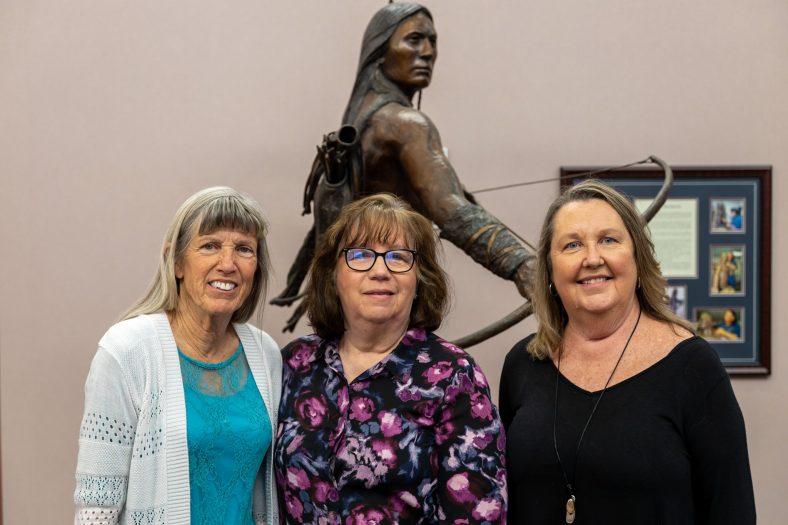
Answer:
(333, 180)
(332, 183)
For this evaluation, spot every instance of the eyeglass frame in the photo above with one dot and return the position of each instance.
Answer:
(380, 254)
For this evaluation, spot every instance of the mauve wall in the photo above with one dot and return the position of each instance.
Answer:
(112, 112)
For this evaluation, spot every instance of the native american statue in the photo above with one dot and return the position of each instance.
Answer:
(385, 144)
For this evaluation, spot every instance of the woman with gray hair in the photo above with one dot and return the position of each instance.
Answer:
(181, 398)
(615, 412)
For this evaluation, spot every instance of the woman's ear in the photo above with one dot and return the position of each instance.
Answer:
(165, 253)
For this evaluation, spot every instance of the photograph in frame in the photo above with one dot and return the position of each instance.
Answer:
(727, 269)
(727, 215)
(720, 324)
(677, 299)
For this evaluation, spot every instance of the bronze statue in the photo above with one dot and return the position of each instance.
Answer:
(387, 145)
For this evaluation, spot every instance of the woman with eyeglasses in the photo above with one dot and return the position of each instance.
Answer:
(382, 421)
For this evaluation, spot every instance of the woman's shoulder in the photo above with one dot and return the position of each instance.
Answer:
(133, 335)
(301, 345)
(521, 372)
(311, 340)
(133, 347)
(519, 355)
(440, 362)
(301, 353)
(694, 355)
(431, 356)
(438, 347)
(680, 344)
(520, 365)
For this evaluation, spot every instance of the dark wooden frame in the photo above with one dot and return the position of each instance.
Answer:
(714, 178)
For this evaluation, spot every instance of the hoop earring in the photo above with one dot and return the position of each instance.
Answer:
(551, 290)
(638, 285)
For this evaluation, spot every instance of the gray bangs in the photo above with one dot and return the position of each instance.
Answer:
(231, 213)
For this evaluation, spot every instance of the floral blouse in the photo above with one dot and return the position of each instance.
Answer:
(414, 439)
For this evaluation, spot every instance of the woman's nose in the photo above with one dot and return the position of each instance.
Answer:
(593, 258)
(227, 259)
(379, 267)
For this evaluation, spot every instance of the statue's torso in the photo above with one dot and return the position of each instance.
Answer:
(381, 144)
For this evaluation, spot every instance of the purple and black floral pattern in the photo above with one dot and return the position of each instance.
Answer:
(414, 439)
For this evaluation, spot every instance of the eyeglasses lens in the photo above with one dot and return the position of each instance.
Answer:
(363, 259)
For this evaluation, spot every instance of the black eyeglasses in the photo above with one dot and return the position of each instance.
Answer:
(363, 259)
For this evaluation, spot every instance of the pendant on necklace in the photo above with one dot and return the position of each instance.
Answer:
(570, 509)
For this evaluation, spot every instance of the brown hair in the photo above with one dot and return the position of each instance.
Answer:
(382, 218)
(549, 310)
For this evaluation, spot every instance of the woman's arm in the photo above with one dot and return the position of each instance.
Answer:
(512, 380)
(106, 438)
(717, 444)
(720, 331)
(470, 453)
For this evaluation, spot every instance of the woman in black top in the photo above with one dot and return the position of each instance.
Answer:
(615, 413)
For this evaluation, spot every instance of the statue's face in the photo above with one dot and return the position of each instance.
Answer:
(411, 54)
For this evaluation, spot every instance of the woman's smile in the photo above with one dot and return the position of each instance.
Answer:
(593, 263)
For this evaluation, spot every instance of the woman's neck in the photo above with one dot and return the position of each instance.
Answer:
(583, 331)
(362, 348)
(372, 339)
(204, 338)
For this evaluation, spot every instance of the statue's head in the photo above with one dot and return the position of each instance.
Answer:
(411, 52)
(399, 48)
(401, 38)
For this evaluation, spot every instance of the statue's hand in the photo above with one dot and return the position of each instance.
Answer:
(522, 278)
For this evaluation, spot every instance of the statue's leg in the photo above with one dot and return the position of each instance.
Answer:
(298, 271)
(328, 202)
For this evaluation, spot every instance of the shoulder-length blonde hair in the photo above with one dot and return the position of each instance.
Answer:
(204, 212)
(382, 217)
(549, 310)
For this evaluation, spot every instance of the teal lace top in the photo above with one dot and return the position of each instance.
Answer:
(228, 433)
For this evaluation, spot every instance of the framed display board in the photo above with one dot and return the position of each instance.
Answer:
(713, 240)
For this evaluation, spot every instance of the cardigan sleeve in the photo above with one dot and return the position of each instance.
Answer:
(106, 439)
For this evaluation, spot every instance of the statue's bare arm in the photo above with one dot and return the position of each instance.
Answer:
(413, 141)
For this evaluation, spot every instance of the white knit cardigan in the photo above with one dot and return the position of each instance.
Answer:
(133, 465)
